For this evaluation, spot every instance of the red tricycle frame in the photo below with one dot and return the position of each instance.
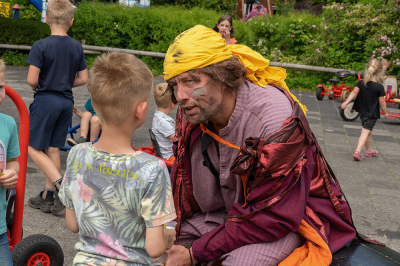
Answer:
(34, 249)
(335, 91)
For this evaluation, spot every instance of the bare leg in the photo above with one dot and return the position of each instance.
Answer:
(365, 135)
(368, 142)
(86, 116)
(95, 126)
(45, 163)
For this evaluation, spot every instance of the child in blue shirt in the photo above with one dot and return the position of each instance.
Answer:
(9, 168)
(57, 64)
(89, 119)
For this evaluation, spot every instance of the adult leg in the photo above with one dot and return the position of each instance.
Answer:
(86, 116)
(95, 126)
(266, 254)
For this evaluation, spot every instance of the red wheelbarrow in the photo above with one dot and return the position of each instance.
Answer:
(37, 249)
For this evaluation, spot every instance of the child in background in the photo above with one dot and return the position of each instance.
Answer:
(163, 125)
(9, 168)
(57, 64)
(369, 95)
(118, 199)
(385, 66)
(88, 119)
(224, 26)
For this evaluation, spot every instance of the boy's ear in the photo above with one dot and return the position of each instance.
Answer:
(47, 21)
(71, 22)
(140, 112)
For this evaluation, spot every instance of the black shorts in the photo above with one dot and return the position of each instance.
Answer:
(367, 122)
(49, 117)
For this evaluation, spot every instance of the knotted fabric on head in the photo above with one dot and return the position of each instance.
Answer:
(200, 46)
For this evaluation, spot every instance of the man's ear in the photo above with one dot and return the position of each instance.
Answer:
(140, 111)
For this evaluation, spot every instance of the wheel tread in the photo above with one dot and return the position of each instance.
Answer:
(37, 243)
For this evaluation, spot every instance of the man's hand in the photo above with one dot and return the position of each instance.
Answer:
(170, 237)
(179, 256)
(344, 105)
(9, 179)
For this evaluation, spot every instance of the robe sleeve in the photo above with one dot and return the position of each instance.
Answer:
(268, 225)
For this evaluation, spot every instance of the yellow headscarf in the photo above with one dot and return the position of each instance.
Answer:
(200, 46)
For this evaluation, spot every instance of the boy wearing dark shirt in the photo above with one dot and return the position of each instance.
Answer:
(57, 64)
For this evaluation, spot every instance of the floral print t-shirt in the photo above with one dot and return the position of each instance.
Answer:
(115, 197)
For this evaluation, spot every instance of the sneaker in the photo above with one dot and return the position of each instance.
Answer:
(371, 153)
(72, 142)
(39, 203)
(357, 156)
(58, 205)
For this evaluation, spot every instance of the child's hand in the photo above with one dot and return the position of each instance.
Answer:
(74, 109)
(344, 105)
(33, 88)
(9, 178)
(170, 237)
(386, 115)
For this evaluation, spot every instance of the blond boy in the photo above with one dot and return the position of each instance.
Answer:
(385, 66)
(116, 198)
(57, 64)
(163, 125)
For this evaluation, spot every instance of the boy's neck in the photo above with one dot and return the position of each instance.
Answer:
(115, 139)
(164, 110)
(58, 31)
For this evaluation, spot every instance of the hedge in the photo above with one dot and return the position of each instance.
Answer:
(344, 36)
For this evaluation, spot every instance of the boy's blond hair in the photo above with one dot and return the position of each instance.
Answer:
(118, 81)
(59, 13)
(161, 96)
(2, 66)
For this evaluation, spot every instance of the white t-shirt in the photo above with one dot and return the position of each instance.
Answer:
(163, 127)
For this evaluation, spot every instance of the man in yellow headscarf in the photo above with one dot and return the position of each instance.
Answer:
(249, 207)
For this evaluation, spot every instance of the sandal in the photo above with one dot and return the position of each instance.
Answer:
(371, 153)
(357, 156)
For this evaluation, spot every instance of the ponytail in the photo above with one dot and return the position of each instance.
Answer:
(373, 70)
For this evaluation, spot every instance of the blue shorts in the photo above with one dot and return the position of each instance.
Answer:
(49, 117)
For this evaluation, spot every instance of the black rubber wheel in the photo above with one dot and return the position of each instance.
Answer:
(349, 114)
(37, 248)
(319, 94)
(344, 95)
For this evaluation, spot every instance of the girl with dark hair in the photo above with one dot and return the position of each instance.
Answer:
(225, 27)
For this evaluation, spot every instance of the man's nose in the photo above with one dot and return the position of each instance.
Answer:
(181, 93)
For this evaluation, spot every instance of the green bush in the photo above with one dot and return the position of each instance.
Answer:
(344, 36)
(22, 31)
(151, 29)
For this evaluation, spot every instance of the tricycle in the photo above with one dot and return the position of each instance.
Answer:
(335, 91)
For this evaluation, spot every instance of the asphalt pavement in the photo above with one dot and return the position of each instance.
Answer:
(372, 186)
